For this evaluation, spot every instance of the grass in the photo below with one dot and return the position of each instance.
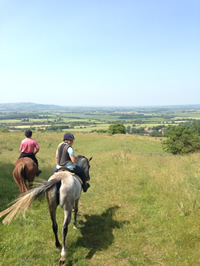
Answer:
(143, 207)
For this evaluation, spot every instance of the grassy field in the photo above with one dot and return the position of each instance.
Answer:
(143, 207)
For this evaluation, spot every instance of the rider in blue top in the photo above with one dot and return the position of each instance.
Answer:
(66, 158)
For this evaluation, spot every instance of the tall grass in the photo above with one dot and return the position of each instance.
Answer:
(143, 207)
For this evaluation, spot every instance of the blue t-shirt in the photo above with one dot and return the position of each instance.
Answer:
(70, 151)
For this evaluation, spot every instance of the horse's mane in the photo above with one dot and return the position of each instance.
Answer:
(81, 156)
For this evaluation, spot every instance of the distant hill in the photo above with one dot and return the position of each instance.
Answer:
(28, 107)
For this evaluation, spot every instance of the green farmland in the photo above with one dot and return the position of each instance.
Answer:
(91, 120)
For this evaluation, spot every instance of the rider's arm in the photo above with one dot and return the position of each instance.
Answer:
(73, 159)
(36, 147)
(36, 152)
(71, 155)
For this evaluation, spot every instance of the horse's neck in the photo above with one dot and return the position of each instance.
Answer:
(79, 160)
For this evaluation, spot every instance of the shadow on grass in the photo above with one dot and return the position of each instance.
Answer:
(97, 231)
(8, 187)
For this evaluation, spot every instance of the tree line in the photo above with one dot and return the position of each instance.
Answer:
(180, 139)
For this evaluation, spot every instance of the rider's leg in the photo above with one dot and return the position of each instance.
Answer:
(36, 161)
(79, 171)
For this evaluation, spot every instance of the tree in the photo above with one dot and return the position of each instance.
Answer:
(181, 139)
(117, 129)
(196, 126)
(128, 129)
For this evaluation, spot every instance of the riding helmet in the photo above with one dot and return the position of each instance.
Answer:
(28, 133)
(68, 136)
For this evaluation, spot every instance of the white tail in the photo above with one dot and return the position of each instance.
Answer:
(25, 201)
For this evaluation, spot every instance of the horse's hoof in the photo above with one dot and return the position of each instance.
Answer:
(62, 261)
(58, 245)
(75, 227)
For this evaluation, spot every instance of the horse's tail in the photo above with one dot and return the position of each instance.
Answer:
(19, 177)
(25, 201)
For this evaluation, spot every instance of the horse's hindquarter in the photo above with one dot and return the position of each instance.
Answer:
(78, 186)
(70, 189)
(28, 165)
(25, 169)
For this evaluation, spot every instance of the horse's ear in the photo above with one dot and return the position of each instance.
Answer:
(90, 159)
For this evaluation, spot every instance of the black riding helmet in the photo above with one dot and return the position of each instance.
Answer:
(28, 133)
(68, 136)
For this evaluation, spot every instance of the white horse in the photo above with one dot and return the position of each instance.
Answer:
(62, 188)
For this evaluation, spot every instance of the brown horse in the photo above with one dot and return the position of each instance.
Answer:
(25, 170)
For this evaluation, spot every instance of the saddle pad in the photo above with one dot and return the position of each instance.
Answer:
(78, 178)
(63, 169)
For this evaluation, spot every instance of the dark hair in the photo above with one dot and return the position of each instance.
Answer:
(68, 136)
(28, 133)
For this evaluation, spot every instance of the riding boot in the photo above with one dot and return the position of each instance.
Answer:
(38, 172)
(85, 186)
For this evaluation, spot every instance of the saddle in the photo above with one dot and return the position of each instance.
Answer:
(63, 169)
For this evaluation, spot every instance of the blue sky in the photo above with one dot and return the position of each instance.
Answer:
(100, 53)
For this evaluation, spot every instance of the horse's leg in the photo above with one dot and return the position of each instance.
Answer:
(30, 184)
(30, 181)
(23, 187)
(19, 181)
(75, 213)
(30, 170)
(52, 198)
(67, 220)
(55, 227)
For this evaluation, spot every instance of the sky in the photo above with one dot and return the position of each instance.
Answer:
(100, 53)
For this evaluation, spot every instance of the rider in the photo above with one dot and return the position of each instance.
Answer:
(66, 158)
(29, 147)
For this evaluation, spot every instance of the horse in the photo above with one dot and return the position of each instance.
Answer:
(25, 170)
(62, 188)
